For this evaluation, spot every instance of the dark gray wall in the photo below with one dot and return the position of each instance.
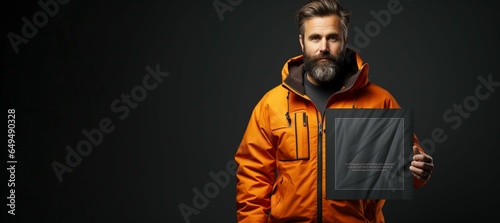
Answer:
(159, 150)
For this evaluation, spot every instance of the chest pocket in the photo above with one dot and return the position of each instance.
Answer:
(291, 137)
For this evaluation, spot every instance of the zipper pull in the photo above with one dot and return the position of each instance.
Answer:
(289, 119)
(320, 128)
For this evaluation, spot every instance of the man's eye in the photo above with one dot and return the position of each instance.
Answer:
(333, 38)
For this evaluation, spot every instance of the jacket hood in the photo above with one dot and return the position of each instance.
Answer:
(356, 72)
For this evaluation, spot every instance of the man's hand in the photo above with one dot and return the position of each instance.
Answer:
(422, 165)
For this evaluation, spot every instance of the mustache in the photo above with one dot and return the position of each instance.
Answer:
(329, 57)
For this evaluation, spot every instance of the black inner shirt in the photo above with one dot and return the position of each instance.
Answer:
(318, 94)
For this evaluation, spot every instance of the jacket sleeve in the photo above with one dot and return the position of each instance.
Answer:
(256, 168)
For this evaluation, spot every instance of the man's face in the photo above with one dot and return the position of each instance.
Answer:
(323, 48)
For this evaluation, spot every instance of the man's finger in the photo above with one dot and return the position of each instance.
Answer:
(416, 151)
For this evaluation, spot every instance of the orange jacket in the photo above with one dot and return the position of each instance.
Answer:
(278, 178)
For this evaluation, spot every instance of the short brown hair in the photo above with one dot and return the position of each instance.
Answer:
(322, 8)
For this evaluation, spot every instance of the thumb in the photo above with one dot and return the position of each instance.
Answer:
(416, 150)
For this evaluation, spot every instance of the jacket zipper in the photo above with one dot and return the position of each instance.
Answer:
(320, 156)
(320, 170)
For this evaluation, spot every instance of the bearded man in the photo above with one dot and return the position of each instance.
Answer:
(281, 158)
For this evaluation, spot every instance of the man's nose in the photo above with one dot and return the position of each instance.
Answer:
(323, 47)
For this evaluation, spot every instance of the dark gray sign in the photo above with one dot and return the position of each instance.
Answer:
(369, 153)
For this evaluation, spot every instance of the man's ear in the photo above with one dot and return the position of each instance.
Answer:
(301, 43)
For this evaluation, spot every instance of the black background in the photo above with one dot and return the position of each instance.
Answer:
(64, 80)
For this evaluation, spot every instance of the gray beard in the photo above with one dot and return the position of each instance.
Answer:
(325, 72)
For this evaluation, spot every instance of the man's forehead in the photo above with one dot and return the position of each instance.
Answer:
(324, 23)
